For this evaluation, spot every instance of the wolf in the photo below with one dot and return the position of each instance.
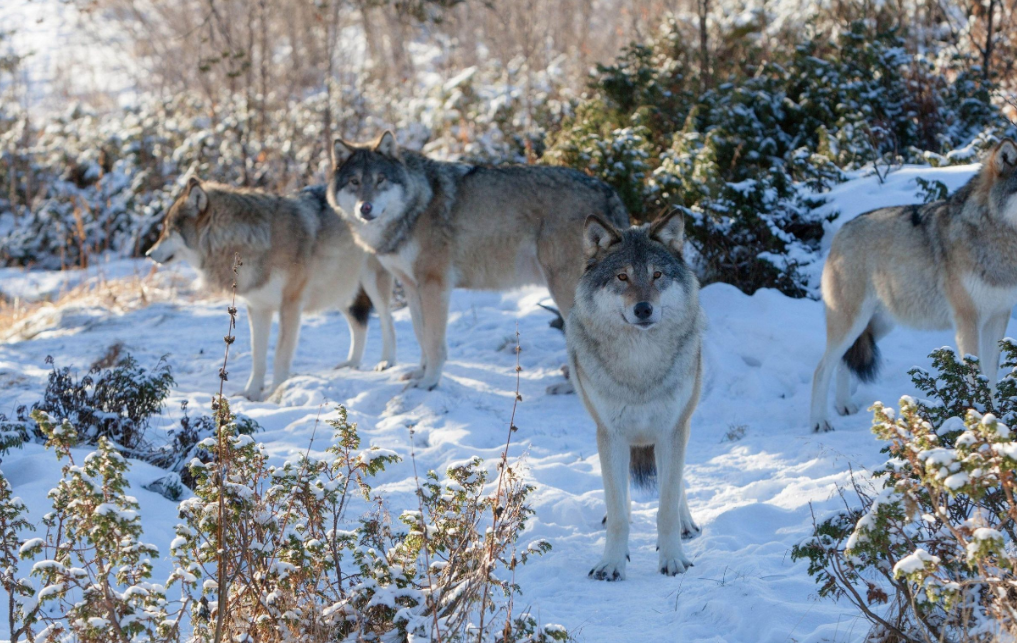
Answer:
(296, 256)
(949, 263)
(438, 226)
(634, 339)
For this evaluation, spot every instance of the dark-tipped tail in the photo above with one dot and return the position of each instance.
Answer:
(643, 467)
(360, 309)
(863, 356)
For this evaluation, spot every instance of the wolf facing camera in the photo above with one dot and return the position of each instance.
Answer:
(634, 341)
(438, 226)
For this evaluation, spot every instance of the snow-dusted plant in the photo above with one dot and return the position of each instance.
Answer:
(269, 551)
(20, 616)
(93, 570)
(932, 554)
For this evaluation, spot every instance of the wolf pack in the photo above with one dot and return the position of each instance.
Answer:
(630, 301)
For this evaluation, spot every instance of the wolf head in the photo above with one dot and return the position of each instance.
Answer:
(636, 278)
(999, 181)
(369, 182)
(179, 235)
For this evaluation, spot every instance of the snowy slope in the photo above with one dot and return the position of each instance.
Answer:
(751, 495)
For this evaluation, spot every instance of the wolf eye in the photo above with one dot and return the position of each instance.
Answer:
(354, 181)
(381, 179)
(623, 277)
(657, 275)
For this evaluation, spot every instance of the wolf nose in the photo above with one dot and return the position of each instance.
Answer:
(643, 310)
(366, 208)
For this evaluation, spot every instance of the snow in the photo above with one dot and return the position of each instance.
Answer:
(754, 496)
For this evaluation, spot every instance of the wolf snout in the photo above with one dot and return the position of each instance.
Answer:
(643, 310)
(366, 210)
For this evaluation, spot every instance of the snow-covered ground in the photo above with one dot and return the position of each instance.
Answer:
(753, 495)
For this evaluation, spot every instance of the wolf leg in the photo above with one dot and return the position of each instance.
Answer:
(841, 332)
(377, 283)
(358, 338)
(689, 527)
(260, 320)
(289, 334)
(670, 454)
(614, 468)
(434, 303)
(842, 398)
(416, 316)
(992, 332)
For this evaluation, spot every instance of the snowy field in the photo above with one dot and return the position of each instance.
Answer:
(753, 495)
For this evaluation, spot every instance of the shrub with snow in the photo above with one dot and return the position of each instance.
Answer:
(931, 554)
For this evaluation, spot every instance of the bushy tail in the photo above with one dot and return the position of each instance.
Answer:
(643, 467)
(863, 356)
(361, 307)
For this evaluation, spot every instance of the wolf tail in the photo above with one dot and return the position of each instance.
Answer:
(863, 356)
(361, 307)
(643, 467)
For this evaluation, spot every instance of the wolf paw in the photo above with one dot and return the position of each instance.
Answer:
(608, 570)
(426, 384)
(690, 531)
(672, 565)
(846, 408)
(384, 365)
(252, 394)
(415, 374)
(561, 388)
(347, 364)
(822, 427)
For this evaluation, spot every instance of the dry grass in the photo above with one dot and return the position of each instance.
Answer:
(22, 320)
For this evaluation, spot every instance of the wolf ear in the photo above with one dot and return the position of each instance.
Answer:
(1005, 157)
(341, 152)
(598, 235)
(387, 145)
(670, 231)
(196, 196)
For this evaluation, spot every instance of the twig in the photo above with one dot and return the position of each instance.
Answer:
(496, 509)
(221, 420)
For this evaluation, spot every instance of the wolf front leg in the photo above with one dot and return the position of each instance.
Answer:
(435, 293)
(670, 455)
(377, 283)
(260, 320)
(614, 454)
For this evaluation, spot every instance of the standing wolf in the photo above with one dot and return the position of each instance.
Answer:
(438, 226)
(296, 256)
(948, 263)
(634, 341)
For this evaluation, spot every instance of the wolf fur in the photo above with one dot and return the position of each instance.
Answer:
(438, 226)
(296, 256)
(634, 341)
(950, 263)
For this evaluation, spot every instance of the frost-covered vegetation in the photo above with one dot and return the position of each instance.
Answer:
(929, 555)
(740, 115)
(269, 552)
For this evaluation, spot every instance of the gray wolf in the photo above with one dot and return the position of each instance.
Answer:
(634, 341)
(296, 256)
(950, 263)
(438, 226)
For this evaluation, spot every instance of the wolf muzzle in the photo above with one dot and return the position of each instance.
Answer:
(367, 211)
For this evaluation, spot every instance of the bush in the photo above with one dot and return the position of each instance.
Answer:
(269, 552)
(930, 555)
(114, 403)
(746, 157)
